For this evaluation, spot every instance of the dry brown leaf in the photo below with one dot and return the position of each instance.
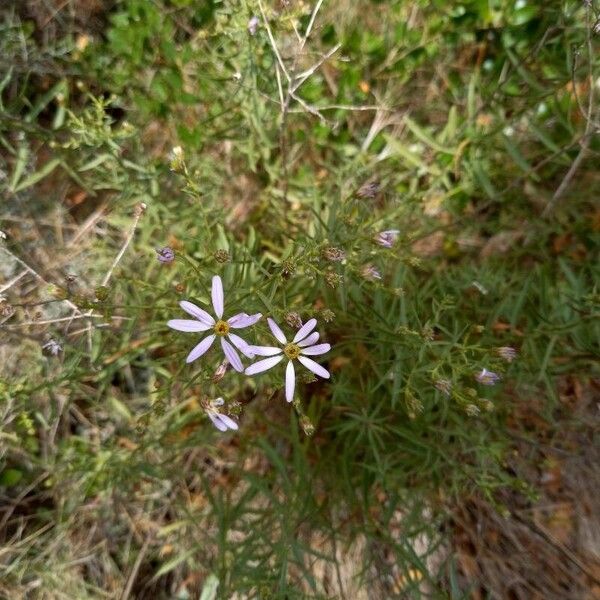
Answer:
(501, 243)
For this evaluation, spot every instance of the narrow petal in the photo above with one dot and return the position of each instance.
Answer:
(187, 325)
(263, 365)
(217, 295)
(243, 346)
(305, 330)
(290, 381)
(232, 356)
(229, 422)
(265, 350)
(316, 350)
(276, 331)
(197, 312)
(200, 349)
(310, 340)
(316, 368)
(216, 419)
(242, 320)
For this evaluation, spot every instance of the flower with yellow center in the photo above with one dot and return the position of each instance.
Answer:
(300, 348)
(203, 321)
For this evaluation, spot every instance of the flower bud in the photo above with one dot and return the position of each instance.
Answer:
(220, 372)
(328, 315)
(307, 425)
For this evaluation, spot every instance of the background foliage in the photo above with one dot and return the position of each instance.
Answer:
(469, 127)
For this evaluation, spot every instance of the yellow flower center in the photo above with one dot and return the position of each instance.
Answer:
(292, 351)
(221, 328)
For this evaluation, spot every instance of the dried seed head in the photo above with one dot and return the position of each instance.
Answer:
(507, 353)
(333, 254)
(333, 279)
(293, 320)
(444, 386)
(472, 410)
(222, 256)
(288, 267)
(368, 190)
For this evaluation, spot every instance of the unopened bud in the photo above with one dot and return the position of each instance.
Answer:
(328, 315)
(307, 425)
(220, 372)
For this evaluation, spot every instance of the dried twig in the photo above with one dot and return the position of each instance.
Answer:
(589, 125)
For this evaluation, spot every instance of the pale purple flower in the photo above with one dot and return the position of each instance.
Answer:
(220, 421)
(370, 273)
(253, 24)
(507, 353)
(301, 347)
(220, 328)
(165, 255)
(52, 347)
(487, 377)
(387, 238)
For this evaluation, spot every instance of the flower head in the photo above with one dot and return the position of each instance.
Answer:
(507, 353)
(220, 421)
(300, 348)
(387, 238)
(253, 24)
(486, 377)
(165, 255)
(221, 328)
